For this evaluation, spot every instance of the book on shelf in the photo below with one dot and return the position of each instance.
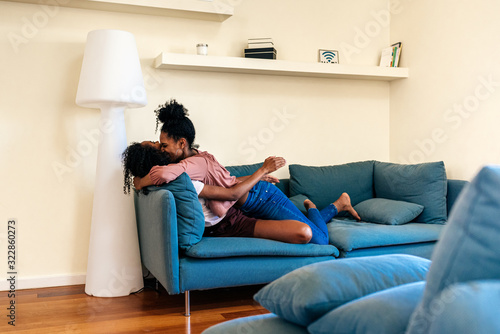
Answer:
(261, 55)
(264, 53)
(260, 45)
(396, 53)
(265, 39)
(390, 55)
(253, 50)
(257, 43)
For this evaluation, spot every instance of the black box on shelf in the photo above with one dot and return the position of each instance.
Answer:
(263, 53)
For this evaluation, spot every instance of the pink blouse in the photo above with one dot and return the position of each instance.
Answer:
(200, 167)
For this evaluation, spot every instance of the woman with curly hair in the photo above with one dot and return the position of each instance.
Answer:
(264, 200)
(139, 158)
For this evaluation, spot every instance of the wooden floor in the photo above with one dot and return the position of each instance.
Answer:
(70, 310)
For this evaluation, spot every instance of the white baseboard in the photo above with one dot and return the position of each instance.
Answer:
(43, 281)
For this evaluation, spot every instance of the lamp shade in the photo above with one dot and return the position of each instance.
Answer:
(111, 72)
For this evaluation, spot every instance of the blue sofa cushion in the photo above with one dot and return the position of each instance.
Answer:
(228, 247)
(387, 211)
(386, 312)
(323, 185)
(298, 201)
(424, 184)
(190, 219)
(243, 170)
(348, 234)
(469, 308)
(259, 324)
(468, 248)
(304, 295)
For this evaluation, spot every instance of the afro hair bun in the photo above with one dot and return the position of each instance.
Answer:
(170, 111)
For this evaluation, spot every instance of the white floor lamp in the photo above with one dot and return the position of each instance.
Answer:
(111, 80)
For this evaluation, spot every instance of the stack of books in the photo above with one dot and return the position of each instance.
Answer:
(390, 55)
(260, 48)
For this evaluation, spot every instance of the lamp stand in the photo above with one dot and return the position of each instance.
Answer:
(114, 264)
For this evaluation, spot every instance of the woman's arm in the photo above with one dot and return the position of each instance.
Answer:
(267, 178)
(141, 182)
(234, 193)
(195, 167)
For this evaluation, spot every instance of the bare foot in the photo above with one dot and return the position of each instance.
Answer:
(309, 204)
(343, 203)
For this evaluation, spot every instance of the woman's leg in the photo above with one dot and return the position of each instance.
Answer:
(236, 224)
(315, 215)
(343, 203)
(266, 201)
(327, 213)
(291, 231)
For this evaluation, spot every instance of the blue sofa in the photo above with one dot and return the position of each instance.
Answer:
(170, 224)
(458, 292)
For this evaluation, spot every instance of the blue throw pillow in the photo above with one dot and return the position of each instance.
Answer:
(468, 308)
(424, 184)
(387, 211)
(258, 324)
(305, 294)
(190, 218)
(468, 248)
(386, 312)
(323, 185)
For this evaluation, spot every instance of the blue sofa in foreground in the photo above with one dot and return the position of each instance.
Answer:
(388, 294)
(406, 207)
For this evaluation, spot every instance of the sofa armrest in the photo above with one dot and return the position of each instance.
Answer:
(454, 189)
(157, 227)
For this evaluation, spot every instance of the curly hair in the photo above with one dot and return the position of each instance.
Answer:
(176, 124)
(138, 161)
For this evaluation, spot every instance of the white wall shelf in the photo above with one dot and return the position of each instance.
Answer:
(191, 62)
(215, 10)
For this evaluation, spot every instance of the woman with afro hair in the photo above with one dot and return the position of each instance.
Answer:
(264, 200)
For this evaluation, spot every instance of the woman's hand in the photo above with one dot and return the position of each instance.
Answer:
(270, 179)
(272, 164)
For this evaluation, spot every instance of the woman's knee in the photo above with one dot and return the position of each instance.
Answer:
(303, 234)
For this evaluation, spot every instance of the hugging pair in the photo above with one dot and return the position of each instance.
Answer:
(234, 207)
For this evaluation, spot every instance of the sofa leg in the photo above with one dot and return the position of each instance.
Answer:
(187, 306)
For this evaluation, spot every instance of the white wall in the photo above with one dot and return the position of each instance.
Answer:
(448, 108)
(321, 121)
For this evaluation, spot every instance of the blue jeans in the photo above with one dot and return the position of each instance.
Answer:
(266, 201)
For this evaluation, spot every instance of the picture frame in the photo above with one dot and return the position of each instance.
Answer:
(328, 56)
